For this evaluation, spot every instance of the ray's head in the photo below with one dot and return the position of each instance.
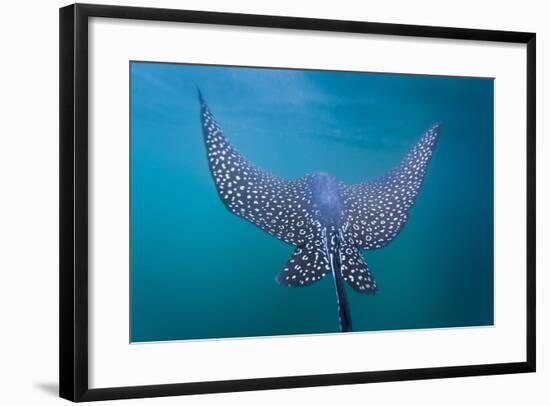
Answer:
(327, 198)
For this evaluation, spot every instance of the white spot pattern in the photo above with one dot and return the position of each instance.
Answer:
(372, 215)
(307, 264)
(378, 210)
(276, 205)
(355, 270)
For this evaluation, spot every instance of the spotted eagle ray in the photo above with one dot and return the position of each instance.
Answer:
(326, 220)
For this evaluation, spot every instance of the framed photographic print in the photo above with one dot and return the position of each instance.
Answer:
(257, 202)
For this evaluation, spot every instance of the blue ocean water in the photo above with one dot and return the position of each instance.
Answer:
(198, 271)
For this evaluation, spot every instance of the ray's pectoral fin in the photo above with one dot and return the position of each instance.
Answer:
(274, 204)
(307, 264)
(377, 211)
(355, 270)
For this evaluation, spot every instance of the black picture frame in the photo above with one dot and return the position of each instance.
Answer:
(73, 253)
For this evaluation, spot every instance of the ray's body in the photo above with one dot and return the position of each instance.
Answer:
(328, 221)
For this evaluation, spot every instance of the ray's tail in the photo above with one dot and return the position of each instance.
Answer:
(344, 314)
